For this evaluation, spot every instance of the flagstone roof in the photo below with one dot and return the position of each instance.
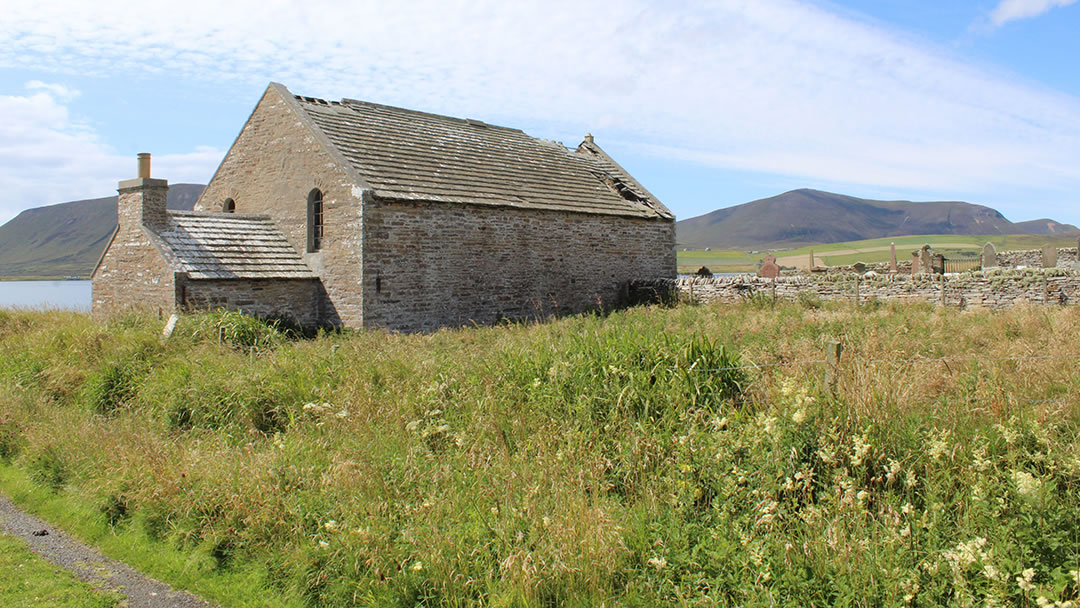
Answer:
(415, 156)
(230, 246)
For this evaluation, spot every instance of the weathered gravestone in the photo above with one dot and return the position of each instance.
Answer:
(769, 269)
(1049, 256)
(859, 267)
(925, 264)
(915, 262)
(937, 263)
(811, 267)
(989, 256)
(893, 269)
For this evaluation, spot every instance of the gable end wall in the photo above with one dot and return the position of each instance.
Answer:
(271, 168)
(132, 275)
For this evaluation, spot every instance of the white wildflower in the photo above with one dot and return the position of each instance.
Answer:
(1026, 483)
(331, 526)
(323, 544)
(657, 562)
(799, 416)
(938, 446)
(1024, 580)
(417, 566)
(1075, 574)
(860, 449)
(910, 479)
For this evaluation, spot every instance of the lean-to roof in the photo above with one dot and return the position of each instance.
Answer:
(230, 246)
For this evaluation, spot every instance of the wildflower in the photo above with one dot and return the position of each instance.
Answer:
(342, 414)
(907, 509)
(536, 383)
(331, 526)
(990, 572)
(799, 416)
(910, 480)
(861, 496)
(1026, 483)
(859, 450)
(1075, 574)
(657, 562)
(905, 531)
(417, 566)
(1024, 580)
(892, 471)
(323, 544)
(938, 446)
(1042, 602)
(546, 521)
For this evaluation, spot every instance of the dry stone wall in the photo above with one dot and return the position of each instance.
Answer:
(429, 265)
(1033, 258)
(996, 289)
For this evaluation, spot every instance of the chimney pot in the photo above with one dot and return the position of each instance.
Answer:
(144, 165)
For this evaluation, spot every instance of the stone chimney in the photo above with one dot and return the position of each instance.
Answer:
(142, 200)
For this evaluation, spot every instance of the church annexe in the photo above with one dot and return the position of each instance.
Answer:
(363, 215)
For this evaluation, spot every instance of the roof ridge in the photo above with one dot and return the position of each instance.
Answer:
(347, 102)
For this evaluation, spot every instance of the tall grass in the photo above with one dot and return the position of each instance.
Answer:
(687, 455)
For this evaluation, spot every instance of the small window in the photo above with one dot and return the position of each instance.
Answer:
(229, 206)
(315, 220)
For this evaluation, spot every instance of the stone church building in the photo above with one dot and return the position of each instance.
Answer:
(363, 215)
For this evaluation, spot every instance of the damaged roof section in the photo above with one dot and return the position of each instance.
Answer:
(230, 246)
(415, 156)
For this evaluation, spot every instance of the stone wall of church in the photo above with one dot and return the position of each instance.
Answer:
(295, 301)
(429, 265)
(270, 169)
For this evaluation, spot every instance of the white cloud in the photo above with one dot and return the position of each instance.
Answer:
(47, 157)
(776, 86)
(1012, 10)
(58, 91)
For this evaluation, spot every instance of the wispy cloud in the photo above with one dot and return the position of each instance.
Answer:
(1013, 10)
(777, 86)
(48, 157)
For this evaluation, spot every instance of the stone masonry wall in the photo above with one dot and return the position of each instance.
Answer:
(295, 300)
(132, 273)
(435, 264)
(271, 168)
(1032, 258)
(996, 289)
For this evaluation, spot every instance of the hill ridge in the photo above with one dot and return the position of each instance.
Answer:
(806, 216)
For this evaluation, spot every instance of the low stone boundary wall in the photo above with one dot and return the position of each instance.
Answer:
(1032, 258)
(995, 288)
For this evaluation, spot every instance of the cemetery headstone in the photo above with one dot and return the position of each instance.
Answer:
(769, 269)
(989, 256)
(892, 259)
(915, 262)
(924, 259)
(937, 263)
(1049, 256)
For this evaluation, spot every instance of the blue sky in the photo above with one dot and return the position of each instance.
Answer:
(709, 104)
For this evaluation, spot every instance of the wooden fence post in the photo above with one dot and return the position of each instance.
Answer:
(832, 365)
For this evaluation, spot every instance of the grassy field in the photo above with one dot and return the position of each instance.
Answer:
(869, 251)
(630, 460)
(28, 581)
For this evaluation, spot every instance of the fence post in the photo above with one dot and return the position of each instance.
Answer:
(943, 301)
(832, 365)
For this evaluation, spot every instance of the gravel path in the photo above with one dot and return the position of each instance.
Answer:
(89, 565)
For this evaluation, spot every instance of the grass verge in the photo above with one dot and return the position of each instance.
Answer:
(28, 581)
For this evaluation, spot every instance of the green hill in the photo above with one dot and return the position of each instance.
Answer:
(804, 217)
(67, 239)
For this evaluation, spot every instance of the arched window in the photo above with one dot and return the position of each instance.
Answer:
(229, 206)
(315, 220)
